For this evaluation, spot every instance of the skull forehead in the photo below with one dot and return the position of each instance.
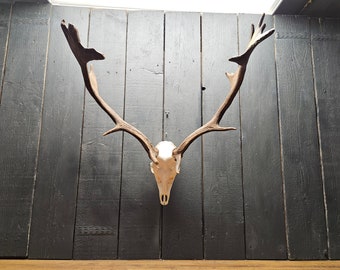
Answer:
(165, 149)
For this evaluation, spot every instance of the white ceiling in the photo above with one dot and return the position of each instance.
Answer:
(220, 6)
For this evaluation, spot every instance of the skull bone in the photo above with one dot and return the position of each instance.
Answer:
(166, 169)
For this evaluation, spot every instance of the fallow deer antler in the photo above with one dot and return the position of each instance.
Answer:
(83, 56)
(166, 157)
(236, 80)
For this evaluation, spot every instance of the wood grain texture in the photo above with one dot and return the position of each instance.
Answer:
(222, 177)
(166, 265)
(321, 9)
(50, 136)
(96, 233)
(326, 38)
(182, 225)
(305, 213)
(58, 163)
(140, 211)
(20, 119)
(262, 181)
(5, 14)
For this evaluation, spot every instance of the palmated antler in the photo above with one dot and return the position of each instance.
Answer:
(236, 79)
(166, 157)
(83, 56)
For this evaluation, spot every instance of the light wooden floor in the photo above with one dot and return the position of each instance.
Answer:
(164, 265)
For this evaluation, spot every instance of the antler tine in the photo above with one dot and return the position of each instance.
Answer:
(236, 79)
(83, 56)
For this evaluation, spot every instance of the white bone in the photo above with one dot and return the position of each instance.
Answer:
(166, 169)
(165, 149)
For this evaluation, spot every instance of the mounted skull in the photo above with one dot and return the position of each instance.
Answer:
(165, 157)
(166, 169)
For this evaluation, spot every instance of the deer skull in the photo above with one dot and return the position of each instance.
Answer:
(165, 157)
(166, 169)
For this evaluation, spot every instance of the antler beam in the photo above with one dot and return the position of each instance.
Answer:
(83, 56)
(235, 79)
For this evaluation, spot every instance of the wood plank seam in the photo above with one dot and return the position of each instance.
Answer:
(123, 138)
(201, 143)
(223, 211)
(241, 144)
(81, 141)
(143, 76)
(40, 128)
(281, 147)
(261, 156)
(2, 74)
(164, 137)
(57, 179)
(326, 78)
(319, 139)
(22, 99)
(303, 186)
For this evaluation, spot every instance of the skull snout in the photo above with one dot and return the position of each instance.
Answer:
(165, 170)
(164, 188)
(165, 174)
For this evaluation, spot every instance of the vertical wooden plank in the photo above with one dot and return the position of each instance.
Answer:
(222, 177)
(58, 163)
(305, 215)
(20, 118)
(326, 63)
(140, 210)
(182, 218)
(5, 13)
(96, 233)
(262, 181)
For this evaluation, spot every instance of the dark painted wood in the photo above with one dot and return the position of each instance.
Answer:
(289, 6)
(5, 14)
(140, 209)
(326, 63)
(20, 118)
(322, 8)
(96, 233)
(182, 218)
(58, 163)
(305, 215)
(262, 181)
(115, 210)
(222, 179)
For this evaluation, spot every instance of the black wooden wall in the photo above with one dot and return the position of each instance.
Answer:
(269, 190)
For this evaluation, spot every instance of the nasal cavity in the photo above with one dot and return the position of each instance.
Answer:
(164, 199)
